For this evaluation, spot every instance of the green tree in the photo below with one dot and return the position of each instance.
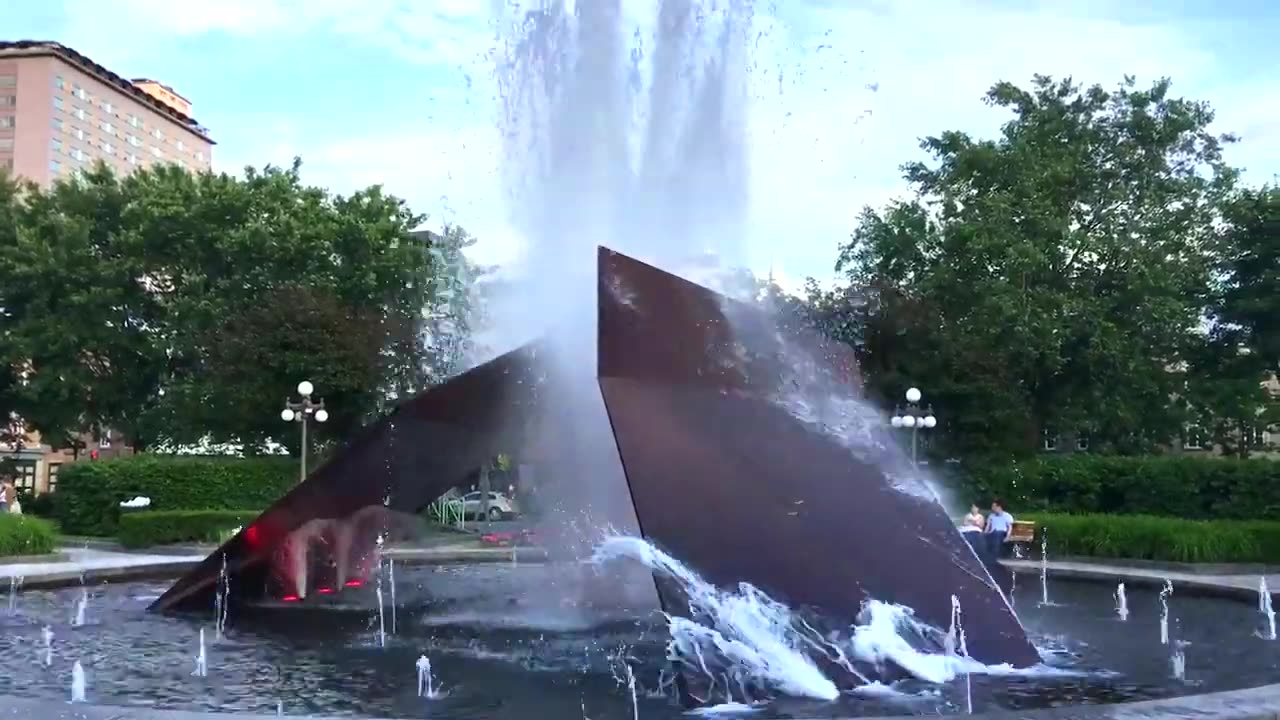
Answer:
(1049, 279)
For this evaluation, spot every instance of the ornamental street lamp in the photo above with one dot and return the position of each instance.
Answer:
(302, 411)
(915, 419)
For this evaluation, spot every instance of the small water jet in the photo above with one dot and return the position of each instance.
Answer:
(1165, 592)
(1122, 602)
(221, 599)
(46, 637)
(15, 583)
(82, 605)
(391, 580)
(1264, 605)
(957, 646)
(426, 683)
(1044, 566)
(202, 659)
(77, 683)
(1178, 661)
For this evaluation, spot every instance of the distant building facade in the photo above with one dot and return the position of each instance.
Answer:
(60, 112)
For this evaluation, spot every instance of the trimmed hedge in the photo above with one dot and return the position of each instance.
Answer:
(1143, 537)
(90, 492)
(1160, 485)
(161, 527)
(26, 535)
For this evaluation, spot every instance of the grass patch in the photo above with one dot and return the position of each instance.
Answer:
(1145, 537)
(165, 527)
(26, 535)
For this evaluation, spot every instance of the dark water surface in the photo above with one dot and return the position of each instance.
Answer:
(499, 657)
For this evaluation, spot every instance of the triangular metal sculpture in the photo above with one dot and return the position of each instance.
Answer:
(745, 452)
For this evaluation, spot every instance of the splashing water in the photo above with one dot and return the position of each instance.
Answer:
(77, 683)
(202, 659)
(1165, 592)
(745, 639)
(46, 636)
(1263, 592)
(1122, 602)
(957, 633)
(15, 582)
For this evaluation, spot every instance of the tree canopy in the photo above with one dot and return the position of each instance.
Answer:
(1056, 278)
(176, 307)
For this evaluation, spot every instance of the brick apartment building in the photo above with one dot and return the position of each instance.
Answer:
(60, 112)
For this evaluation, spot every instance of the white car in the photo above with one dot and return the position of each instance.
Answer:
(501, 507)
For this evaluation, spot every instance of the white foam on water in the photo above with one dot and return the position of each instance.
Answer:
(743, 637)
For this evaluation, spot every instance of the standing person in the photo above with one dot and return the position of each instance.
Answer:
(11, 494)
(999, 523)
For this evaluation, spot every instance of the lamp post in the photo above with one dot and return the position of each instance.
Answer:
(301, 411)
(915, 419)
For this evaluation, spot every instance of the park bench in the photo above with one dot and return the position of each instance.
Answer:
(1021, 535)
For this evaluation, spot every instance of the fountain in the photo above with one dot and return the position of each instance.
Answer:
(1264, 606)
(77, 683)
(15, 583)
(1122, 602)
(202, 660)
(46, 638)
(1165, 592)
(1044, 566)
(645, 398)
(81, 606)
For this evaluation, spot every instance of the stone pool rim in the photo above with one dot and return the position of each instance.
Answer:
(1246, 704)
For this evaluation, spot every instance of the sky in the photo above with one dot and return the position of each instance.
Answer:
(400, 92)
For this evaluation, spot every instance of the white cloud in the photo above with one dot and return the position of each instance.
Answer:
(860, 86)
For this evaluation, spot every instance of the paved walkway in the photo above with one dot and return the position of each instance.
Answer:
(1118, 571)
(95, 565)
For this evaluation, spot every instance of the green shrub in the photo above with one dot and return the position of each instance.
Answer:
(90, 492)
(39, 505)
(26, 535)
(1143, 537)
(163, 527)
(1160, 485)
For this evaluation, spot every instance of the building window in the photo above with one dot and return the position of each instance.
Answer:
(57, 124)
(157, 153)
(53, 477)
(78, 133)
(79, 92)
(6, 163)
(200, 155)
(6, 122)
(104, 440)
(181, 146)
(157, 134)
(59, 83)
(78, 155)
(107, 128)
(56, 145)
(1195, 438)
(134, 141)
(134, 121)
(1082, 441)
(58, 104)
(133, 158)
(24, 477)
(8, 81)
(6, 143)
(107, 148)
(107, 107)
(55, 167)
(8, 100)
(80, 114)
(1048, 440)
